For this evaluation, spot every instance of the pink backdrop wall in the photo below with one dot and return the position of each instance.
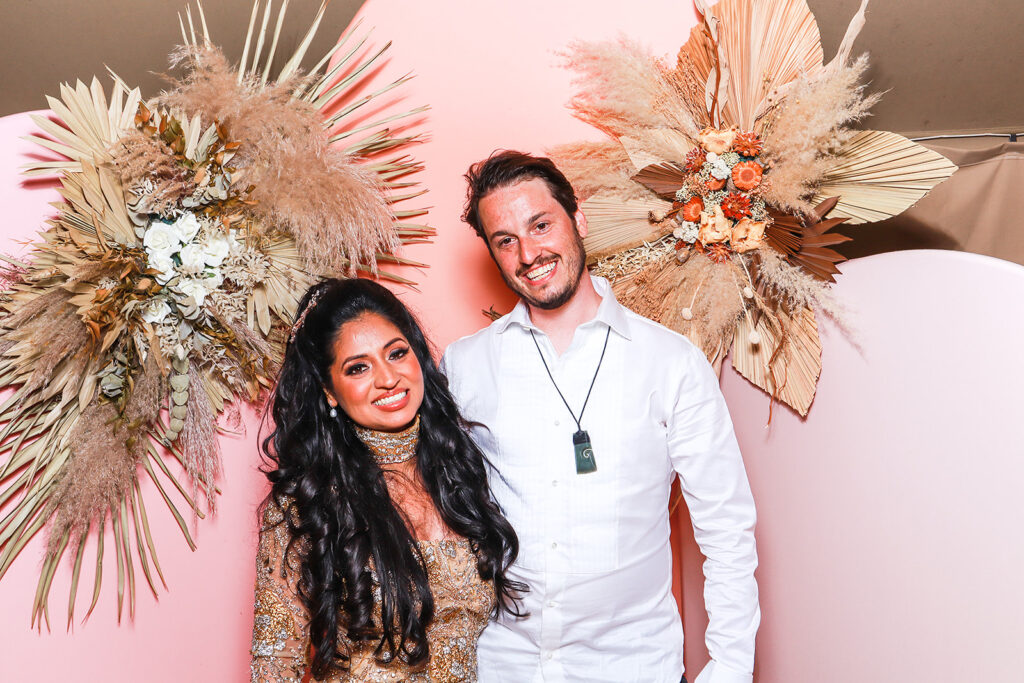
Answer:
(888, 531)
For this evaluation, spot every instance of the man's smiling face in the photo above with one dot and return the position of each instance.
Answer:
(537, 246)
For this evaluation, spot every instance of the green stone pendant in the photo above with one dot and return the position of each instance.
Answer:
(585, 462)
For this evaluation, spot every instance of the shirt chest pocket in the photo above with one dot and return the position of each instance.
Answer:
(607, 507)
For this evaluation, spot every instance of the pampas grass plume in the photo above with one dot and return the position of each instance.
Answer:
(598, 167)
(809, 127)
(99, 473)
(618, 83)
(335, 209)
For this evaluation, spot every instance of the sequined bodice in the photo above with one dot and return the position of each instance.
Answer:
(462, 606)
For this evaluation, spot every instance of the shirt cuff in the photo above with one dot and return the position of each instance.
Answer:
(715, 672)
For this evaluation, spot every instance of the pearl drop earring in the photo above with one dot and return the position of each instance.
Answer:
(334, 412)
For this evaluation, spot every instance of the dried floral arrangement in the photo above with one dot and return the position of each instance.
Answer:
(711, 206)
(163, 291)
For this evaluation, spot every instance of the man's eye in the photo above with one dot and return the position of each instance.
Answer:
(504, 241)
(543, 226)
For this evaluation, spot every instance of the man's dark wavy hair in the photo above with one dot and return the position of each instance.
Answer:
(341, 500)
(508, 167)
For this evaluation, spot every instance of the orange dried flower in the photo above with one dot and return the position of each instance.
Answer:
(691, 209)
(747, 144)
(736, 205)
(719, 253)
(713, 184)
(746, 175)
(694, 160)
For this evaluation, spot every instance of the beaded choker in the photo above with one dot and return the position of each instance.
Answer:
(389, 448)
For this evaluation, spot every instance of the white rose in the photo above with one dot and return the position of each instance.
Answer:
(194, 288)
(212, 280)
(192, 256)
(161, 238)
(217, 249)
(162, 263)
(155, 311)
(186, 227)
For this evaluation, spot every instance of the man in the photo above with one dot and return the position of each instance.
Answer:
(587, 412)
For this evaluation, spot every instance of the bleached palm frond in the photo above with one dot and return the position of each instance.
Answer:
(616, 224)
(658, 146)
(786, 361)
(879, 174)
(90, 125)
(96, 205)
(766, 44)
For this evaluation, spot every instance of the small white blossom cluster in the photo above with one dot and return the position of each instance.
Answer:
(187, 259)
(718, 167)
(687, 231)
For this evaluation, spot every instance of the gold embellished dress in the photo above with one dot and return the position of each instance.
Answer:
(280, 645)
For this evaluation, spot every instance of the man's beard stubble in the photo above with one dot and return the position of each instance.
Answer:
(577, 265)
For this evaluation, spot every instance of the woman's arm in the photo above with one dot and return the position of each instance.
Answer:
(280, 634)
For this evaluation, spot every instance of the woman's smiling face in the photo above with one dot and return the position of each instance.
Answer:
(376, 378)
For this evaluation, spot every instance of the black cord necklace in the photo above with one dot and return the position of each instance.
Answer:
(585, 462)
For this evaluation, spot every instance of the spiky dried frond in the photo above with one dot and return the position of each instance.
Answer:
(793, 287)
(615, 224)
(88, 125)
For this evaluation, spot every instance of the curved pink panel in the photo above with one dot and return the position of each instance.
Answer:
(890, 520)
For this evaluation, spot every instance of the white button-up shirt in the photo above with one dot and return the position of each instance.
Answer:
(594, 548)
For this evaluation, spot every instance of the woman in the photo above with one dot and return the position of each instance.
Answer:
(382, 553)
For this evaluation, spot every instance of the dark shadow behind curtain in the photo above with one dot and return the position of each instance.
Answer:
(978, 209)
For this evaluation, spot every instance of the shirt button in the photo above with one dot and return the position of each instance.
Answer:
(551, 655)
(554, 482)
(551, 603)
(554, 545)
(557, 423)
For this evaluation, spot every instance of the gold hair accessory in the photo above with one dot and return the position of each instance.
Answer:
(305, 311)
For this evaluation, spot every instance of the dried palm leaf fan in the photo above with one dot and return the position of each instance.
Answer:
(164, 289)
(711, 206)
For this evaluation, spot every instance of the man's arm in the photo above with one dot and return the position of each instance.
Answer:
(705, 454)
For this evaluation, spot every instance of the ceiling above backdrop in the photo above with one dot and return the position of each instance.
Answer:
(949, 66)
(46, 42)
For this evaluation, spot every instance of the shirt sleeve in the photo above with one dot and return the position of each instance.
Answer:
(704, 453)
(445, 366)
(280, 634)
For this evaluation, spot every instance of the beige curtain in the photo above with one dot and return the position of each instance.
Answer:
(978, 209)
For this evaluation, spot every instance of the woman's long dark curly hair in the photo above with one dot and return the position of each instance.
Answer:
(341, 499)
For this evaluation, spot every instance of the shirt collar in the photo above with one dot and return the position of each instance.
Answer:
(610, 312)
